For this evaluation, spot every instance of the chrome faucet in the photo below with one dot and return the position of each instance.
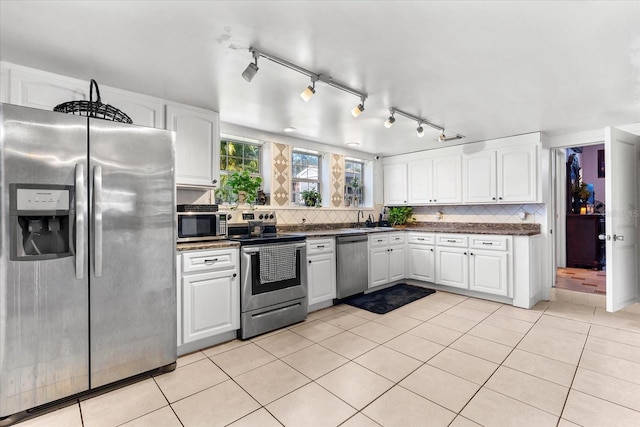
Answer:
(359, 213)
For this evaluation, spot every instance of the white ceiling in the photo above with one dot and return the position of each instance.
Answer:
(481, 69)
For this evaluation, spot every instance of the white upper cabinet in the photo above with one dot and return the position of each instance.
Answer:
(420, 181)
(395, 184)
(143, 110)
(479, 177)
(517, 174)
(447, 180)
(39, 89)
(197, 145)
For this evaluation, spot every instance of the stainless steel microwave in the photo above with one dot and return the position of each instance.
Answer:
(201, 226)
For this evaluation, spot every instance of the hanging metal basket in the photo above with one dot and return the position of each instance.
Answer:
(93, 108)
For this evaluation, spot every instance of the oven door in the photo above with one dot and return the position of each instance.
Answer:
(257, 295)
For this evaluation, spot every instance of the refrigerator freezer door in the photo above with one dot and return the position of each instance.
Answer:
(132, 273)
(44, 336)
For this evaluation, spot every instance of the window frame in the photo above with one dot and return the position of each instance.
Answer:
(361, 177)
(243, 141)
(310, 182)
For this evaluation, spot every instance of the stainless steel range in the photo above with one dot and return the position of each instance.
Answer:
(273, 273)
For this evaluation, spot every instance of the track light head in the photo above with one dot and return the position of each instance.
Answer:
(250, 72)
(308, 93)
(420, 130)
(357, 110)
(390, 121)
(252, 69)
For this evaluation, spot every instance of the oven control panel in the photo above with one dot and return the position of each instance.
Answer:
(243, 217)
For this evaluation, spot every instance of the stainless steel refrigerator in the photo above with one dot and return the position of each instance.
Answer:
(87, 254)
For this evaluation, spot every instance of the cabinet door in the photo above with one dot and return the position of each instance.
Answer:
(419, 181)
(421, 262)
(488, 271)
(211, 304)
(143, 110)
(321, 278)
(447, 180)
(197, 145)
(479, 178)
(39, 89)
(378, 266)
(517, 174)
(452, 267)
(395, 184)
(396, 263)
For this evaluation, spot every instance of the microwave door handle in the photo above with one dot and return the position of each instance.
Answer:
(97, 220)
(80, 196)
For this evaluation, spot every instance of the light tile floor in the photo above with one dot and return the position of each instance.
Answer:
(444, 360)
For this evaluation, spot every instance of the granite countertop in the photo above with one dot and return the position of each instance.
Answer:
(425, 227)
(218, 244)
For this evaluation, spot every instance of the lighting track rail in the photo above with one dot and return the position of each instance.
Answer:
(252, 70)
(420, 130)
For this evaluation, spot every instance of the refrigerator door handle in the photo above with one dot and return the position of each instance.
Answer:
(80, 238)
(97, 220)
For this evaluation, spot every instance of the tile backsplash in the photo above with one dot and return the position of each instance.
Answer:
(535, 213)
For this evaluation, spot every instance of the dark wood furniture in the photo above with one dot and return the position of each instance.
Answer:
(584, 249)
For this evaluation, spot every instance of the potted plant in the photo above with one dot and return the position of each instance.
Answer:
(400, 215)
(311, 197)
(244, 186)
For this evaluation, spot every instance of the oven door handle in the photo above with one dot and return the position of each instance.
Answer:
(254, 250)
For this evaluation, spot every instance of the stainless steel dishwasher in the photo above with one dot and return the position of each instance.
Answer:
(352, 265)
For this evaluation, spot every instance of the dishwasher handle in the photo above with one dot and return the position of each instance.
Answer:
(350, 239)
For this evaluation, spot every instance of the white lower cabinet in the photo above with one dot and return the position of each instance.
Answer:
(210, 294)
(452, 267)
(480, 263)
(321, 270)
(386, 258)
(421, 257)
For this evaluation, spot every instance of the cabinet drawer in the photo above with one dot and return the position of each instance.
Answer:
(378, 239)
(209, 260)
(319, 246)
(496, 243)
(422, 238)
(397, 238)
(457, 240)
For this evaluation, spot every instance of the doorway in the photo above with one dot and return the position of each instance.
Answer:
(580, 217)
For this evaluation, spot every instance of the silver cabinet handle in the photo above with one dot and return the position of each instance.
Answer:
(80, 238)
(97, 220)
(210, 261)
(616, 237)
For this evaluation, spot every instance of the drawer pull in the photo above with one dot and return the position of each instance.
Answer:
(379, 240)
(451, 241)
(210, 261)
(319, 246)
(487, 243)
(420, 238)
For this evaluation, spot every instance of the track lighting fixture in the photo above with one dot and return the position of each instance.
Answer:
(252, 69)
(420, 129)
(444, 138)
(309, 91)
(358, 109)
(390, 121)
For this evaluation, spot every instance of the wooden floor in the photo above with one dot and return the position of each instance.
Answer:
(581, 280)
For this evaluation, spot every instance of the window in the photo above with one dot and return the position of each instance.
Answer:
(354, 182)
(305, 173)
(237, 154)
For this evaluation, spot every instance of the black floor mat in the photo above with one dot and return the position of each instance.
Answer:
(388, 299)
